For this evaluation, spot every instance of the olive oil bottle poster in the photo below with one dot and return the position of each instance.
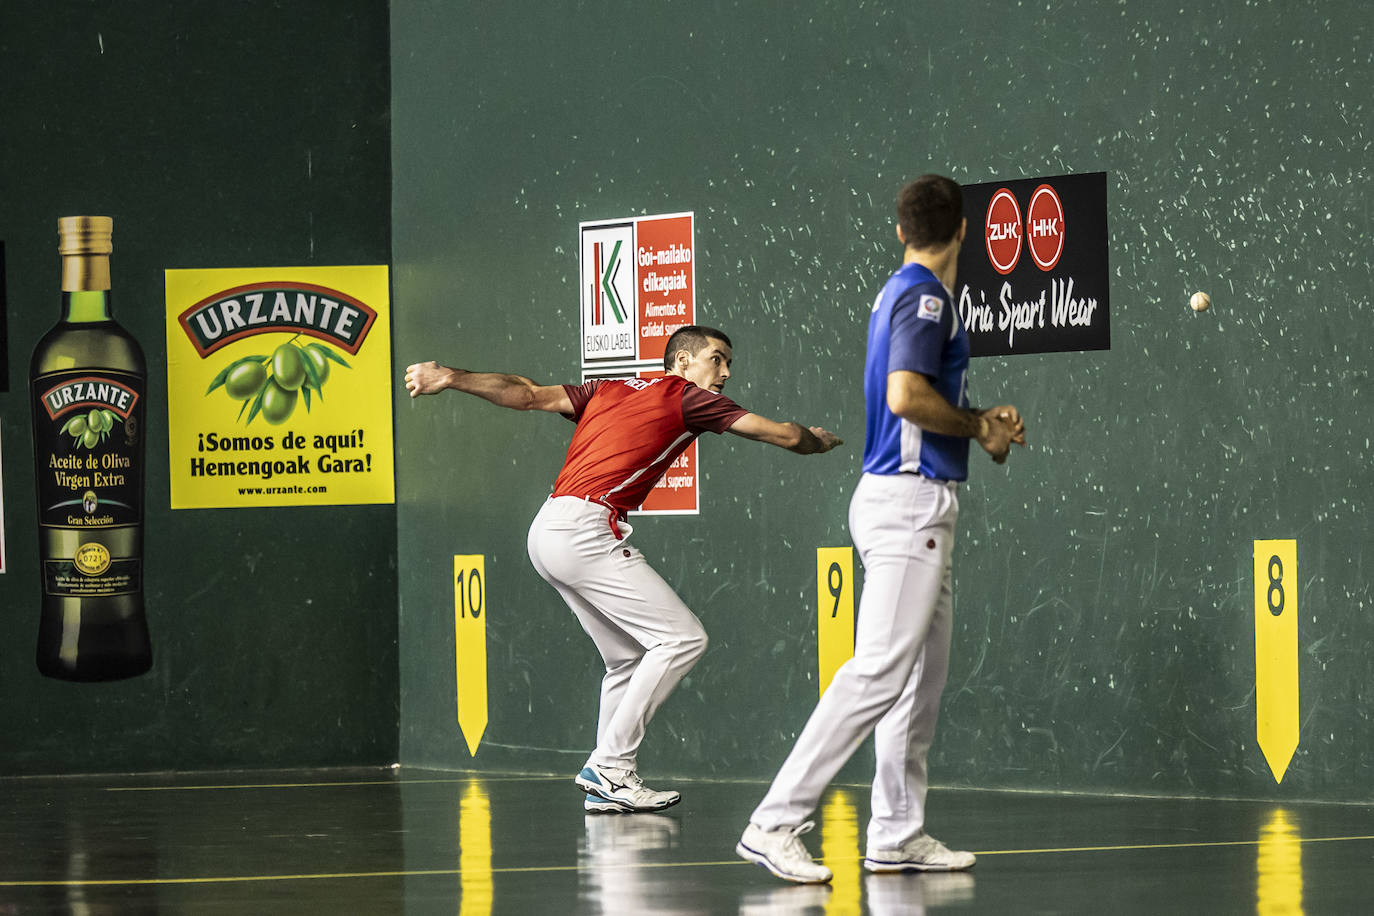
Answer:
(279, 387)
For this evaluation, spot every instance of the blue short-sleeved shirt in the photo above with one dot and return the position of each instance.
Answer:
(914, 327)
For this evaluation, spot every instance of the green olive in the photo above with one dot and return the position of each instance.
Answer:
(288, 370)
(109, 418)
(76, 426)
(95, 421)
(91, 438)
(277, 403)
(315, 354)
(245, 379)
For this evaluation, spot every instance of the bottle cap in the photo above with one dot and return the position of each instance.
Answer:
(85, 235)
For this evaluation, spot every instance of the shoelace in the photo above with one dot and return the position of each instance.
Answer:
(928, 845)
(794, 844)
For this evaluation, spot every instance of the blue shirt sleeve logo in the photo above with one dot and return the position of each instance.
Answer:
(931, 307)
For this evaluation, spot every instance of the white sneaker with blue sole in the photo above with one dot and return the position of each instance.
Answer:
(922, 853)
(782, 852)
(623, 788)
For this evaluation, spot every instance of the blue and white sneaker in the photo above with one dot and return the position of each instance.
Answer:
(599, 805)
(623, 788)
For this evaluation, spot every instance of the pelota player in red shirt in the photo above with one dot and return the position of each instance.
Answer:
(628, 433)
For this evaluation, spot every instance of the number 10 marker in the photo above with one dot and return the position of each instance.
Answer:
(470, 640)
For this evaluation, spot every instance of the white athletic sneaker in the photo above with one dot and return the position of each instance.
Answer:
(623, 788)
(782, 852)
(924, 853)
(598, 805)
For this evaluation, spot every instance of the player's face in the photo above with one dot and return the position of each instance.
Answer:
(709, 367)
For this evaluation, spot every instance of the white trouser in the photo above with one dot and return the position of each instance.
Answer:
(903, 526)
(647, 637)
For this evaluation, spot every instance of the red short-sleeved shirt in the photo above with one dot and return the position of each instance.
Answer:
(630, 430)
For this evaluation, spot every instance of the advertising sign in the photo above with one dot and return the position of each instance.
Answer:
(638, 286)
(1032, 274)
(279, 387)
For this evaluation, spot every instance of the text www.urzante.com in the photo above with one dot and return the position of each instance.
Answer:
(280, 491)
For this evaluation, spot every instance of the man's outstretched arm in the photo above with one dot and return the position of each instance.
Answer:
(792, 436)
(513, 391)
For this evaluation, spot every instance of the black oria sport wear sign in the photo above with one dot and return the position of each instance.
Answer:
(1032, 274)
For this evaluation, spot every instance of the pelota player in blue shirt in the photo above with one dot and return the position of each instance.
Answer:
(902, 519)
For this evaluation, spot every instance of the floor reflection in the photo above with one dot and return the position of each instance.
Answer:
(1278, 890)
(612, 849)
(786, 900)
(362, 842)
(840, 850)
(474, 850)
(91, 849)
(912, 893)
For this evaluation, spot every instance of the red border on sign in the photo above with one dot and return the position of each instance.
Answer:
(653, 235)
(987, 225)
(1063, 228)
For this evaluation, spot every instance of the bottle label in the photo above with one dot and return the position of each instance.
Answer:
(88, 437)
(74, 579)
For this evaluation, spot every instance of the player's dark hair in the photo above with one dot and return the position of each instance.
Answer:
(690, 337)
(929, 210)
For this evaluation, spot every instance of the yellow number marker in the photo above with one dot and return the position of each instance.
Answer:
(1276, 652)
(470, 636)
(834, 610)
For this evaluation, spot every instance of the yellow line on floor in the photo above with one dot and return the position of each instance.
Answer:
(318, 785)
(513, 870)
(1142, 846)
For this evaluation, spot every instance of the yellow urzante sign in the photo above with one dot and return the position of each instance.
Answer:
(279, 387)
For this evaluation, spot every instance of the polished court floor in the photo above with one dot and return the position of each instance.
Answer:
(416, 841)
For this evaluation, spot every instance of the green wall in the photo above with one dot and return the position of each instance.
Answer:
(215, 135)
(1104, 595)
(1104, 609)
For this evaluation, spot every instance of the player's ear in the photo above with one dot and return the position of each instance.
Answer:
(901, 236)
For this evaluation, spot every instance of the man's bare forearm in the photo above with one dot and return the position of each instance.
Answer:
(502, 389)
(794, 437)
(930, 411)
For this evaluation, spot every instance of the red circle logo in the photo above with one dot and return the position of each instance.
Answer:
(1002, 231)
(1045, 227)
